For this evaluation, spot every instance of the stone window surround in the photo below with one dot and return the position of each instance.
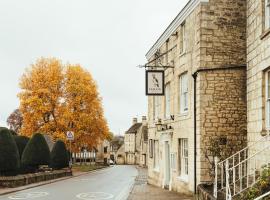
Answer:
(156, 163)
(182, 39)
(265, 30)
(180, 96)
(266, 100)
(181, 143)
(168, 101)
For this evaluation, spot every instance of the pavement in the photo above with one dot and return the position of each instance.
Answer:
(113, 183)
(143, 191)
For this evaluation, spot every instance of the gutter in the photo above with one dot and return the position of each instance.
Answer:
(195, 131)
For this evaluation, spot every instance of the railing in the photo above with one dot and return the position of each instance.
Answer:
(262, 196)
(241, 170)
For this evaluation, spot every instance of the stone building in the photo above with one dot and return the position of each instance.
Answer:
(103, 152)
(136, 143)
(205, 92)
(258, 68)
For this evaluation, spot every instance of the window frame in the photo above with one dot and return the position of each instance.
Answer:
(266, 14)
(167, 101)
(157, 107)
(183, 158)
(156, 163)
(183, 96)
(267, 99)
(182, 36)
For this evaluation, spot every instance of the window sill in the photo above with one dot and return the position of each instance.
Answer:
(183, 53)
(182, 114)
(265, 33)
(182, 178)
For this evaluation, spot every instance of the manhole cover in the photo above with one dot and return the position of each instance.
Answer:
(30, 195)
(94, 196)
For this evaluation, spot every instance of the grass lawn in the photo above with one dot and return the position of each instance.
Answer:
(86, 168)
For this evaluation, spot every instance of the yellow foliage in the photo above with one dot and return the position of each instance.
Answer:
(57, 98)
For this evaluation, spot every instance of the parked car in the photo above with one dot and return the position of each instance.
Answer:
(111, 162)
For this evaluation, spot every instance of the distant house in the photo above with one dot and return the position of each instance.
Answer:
(136, 143)
(103, 152)
(116, 143)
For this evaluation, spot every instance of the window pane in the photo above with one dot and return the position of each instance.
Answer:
(167, 99)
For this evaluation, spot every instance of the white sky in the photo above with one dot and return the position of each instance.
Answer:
(107, 37)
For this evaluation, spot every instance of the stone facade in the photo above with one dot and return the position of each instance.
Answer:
(213, 58)
(258, 59)
(135, 143)
(103, 152)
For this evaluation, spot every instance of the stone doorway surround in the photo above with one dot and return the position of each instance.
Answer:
(166, 139)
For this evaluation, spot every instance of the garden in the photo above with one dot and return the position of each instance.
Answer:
(26, 160)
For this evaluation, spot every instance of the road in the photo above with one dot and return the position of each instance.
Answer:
(112, 183)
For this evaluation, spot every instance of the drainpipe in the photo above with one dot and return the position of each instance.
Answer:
(195, 131)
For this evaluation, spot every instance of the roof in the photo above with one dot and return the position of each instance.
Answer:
(178, 20)
(134, 128)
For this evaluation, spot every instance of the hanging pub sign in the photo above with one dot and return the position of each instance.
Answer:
(154, 82)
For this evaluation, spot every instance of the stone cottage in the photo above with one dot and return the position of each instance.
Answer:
(205, 92)
(136, 143)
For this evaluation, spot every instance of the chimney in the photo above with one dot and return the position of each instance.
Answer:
(135, 120)
(144, 120)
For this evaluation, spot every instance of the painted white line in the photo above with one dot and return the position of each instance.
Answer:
(29, 195)
(85, 179)
(94, 196)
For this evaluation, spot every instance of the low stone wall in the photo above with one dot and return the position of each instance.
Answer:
(21, 180)
(203, 193)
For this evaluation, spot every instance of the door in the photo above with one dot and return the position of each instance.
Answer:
(167, 165)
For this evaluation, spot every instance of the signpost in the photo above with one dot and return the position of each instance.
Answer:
(70, 137)
(154, 82)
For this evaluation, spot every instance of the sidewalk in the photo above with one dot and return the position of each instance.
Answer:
(143, 191)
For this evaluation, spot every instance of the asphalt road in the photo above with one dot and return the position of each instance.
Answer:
(112, 183)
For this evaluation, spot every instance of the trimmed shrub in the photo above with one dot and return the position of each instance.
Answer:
(21, 142)
(12, 132)
(59, 156)
(9, 154)
(36, 153)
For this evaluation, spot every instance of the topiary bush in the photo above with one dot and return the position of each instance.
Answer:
(12, 132)
(36, 153)
(21, 142)
(9, 154)
(59, 156)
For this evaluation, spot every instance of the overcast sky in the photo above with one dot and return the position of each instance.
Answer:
(107, 37)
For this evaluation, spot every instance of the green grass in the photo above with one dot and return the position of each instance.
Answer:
(86, 168)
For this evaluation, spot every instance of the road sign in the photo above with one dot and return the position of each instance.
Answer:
(70, 135)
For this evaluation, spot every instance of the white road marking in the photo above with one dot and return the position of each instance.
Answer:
(85, 179)
(30, 195)
(94, 196)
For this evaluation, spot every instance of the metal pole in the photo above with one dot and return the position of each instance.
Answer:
(70, 159)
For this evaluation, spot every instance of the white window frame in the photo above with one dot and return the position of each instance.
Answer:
(183, 159)
(182, 45)
(267, 14)
(157, 106)
(173, 161)
(267, 99)
(156, 155)
(168, 101)
(183, 91)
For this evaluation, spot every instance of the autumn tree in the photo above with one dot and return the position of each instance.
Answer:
(15, 121)
(57, 98)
